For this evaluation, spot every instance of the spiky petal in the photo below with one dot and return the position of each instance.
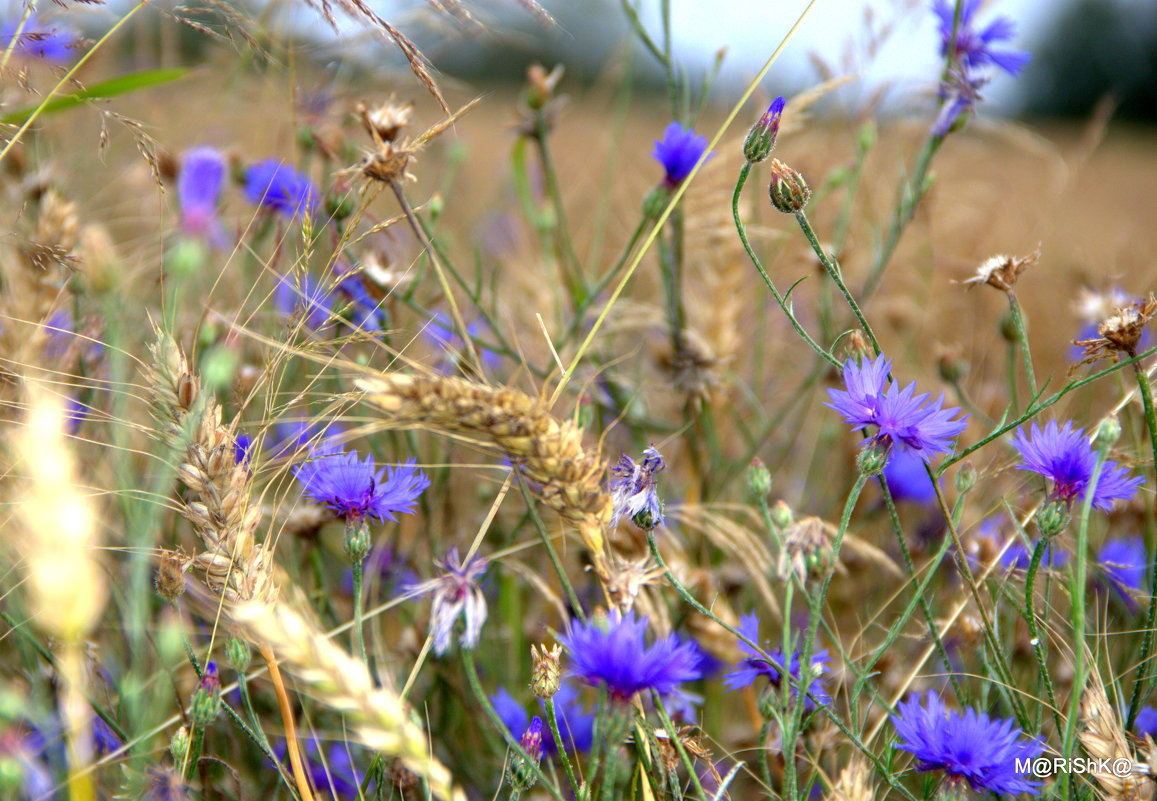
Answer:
(1065, 457)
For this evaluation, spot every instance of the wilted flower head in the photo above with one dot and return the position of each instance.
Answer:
(1122, 563)
(279, 187)
(633, 491)
(902, 420)
(1067, 458)
(1002, 271)
(356, 490)
(807, 547)
(1120, 332)
(199, 184)
(36, 40)
(756, 665)
(969, 748)
(613, 653)
(679, 151)
(456, 593)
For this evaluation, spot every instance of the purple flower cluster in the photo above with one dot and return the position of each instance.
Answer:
(279, 187)
(1065, 457)
(756, 665)
(970, 51)
(614, 654)
(902, 420)
(971, 748)
(356, 490)
(679, 151)
(633, 491)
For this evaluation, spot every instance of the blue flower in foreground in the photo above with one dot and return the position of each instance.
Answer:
(279, 187)
(973, 48)
(1123, 562)
(575, 724)
(633, 491)
(908, 479)
(199, 184)
(356, 490)
(679, 151)
(755, 665)
(1066, 457)
(614, 654)
(53, 44)
(902, 419)
(970, 748)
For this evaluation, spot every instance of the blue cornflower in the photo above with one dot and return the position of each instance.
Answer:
(356, 490)
(633, 491)
(908, 479)
(310, 299)
(53, 44)
(971, 747)
(442, 335)
(332, 767)
(973, 48)
(679, 151)
(456, 593)
(614, 654)
(1146, 722)
(365, 311)
(279, 187)
(199, 184)
(242, 448)
(755, 665)
(1066, 458)
(575, 724)
(1123, 562)
(900, 416)
(1018, 556)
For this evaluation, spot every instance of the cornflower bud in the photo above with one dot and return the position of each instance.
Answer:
(781, 515)
(965, 478)
(761, 138)
(522, 775)
(758, 479)
(1107, 434)
(873, 457)
(237, 652)
(788, 190)
(179, 745)
(545, 673)
(207, 699)
(1052, 518)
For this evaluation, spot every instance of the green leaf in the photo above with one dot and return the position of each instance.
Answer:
(110, 88)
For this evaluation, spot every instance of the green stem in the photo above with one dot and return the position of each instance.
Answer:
(779, 299)
(1030, 618)
(560, 744)
(833, 270)
(1022, 336)
(193, 755)
(552, 554)
(567, 256)
(358, 636)
(1141, 687)
(673, 734)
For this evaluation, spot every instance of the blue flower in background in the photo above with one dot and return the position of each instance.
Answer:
(679, 151)
(615, 654)
(1123, 562)
(908, 479)
(306, 297)
(1146, 722)
(199, 185)
(365, 311)
(442, 335)
(332, 767)
(755, 665)
(52, 43)
(575, 724)
(969, 748)
(279, 187)
(900, 416)
(355, 490)
(297, 435)
(1066, 458)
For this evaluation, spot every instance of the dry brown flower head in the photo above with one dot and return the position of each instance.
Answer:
(388, 161)
(385, 122)
(1120, 332)
(1002, 271)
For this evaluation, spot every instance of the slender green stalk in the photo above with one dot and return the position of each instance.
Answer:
(833, 270)
(1018, 322)
(560, 744)
(567, 256)
(1141, 686)
(552, 554)
(359, 638)
(779, 299)
(1030, 618)
(673, 735)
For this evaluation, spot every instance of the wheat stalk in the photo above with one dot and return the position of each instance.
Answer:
(1103, 738)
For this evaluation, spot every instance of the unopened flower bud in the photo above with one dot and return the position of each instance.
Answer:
(965, 478)
(357, 541)
(238, 654)
(761, 138)
(522, 774)
(545, 673)
(540, 85)
(207, 699)
(1008, 330)
(655, 202)
(1108, 432)
(179, 745)
(788, 190)
(781, 515)
(873, 457)
(187, 258)
(1052, 518)
(758, 479)
(952, 367)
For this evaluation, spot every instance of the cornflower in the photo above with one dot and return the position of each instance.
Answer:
(615, 655)
(311, 300)
(1122, 562)
(575, 724)
(279, 187)
(756, 665)
(908, 479)
(679, 151)
(48, 43)
(1066, 458)
(456, 593)
(356, 490)
(971, 748)
(199, 184)
(902, 420)
(633, 491)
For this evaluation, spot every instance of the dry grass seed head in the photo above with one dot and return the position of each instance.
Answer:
(1103, 738)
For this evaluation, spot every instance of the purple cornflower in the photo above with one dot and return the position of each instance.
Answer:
(442, 335)
(310, 300)
(755, 665)
(331, 767)
(242, 448)
(365, 312)
(575, 724)
(1123, 563)
(49, 43)
(456, 593)
(1018, 556)
(679, 151)
(908, 479)
(968, 52)
(633, 491)
(1066, 458)
(1146, 722)
(531, 740)
(279, 187)
(970, 748)
(902, 419)
(615, 654)
(356, 490)
(198, 189)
